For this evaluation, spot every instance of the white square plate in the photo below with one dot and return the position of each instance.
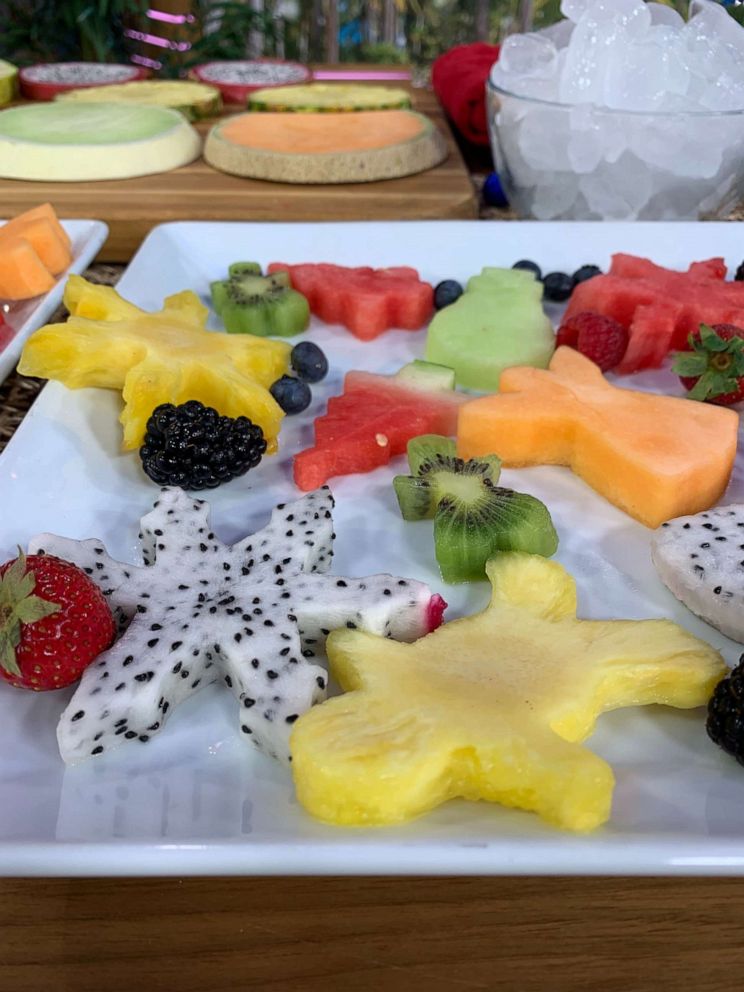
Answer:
(197, 799)
(27, 315)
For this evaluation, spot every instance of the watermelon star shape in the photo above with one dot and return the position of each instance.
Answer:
(490, 707)
(153, 358)
(198, 611)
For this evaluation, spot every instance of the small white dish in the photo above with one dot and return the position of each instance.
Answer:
(26, 316)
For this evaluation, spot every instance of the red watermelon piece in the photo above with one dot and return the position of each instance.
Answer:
(660, 307)
(366, 301)
(372, 422)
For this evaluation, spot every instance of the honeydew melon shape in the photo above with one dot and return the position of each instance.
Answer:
(325, 147)
(328, 97)
(70, 142)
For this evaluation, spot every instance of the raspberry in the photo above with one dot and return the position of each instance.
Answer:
(599, 338)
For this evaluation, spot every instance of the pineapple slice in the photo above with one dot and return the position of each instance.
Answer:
(490, 707)
(153, 358)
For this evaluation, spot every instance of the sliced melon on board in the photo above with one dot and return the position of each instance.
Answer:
(8, 82)
(76, 142)
(329, 97)
(194, 100)
(325, 147)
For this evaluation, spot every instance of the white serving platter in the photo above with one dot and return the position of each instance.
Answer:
(197, 799)
(26, 316)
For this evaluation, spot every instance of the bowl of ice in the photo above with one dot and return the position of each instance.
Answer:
(622, 111)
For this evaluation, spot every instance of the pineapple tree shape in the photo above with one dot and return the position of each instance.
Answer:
(154, 358)
(490, 707)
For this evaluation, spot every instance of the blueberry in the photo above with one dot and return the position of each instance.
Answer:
(309, 362)
(292, 395)
(740, 273)
(446, 293)
(558, 286)
(493, 191)
(586, 272)
(529, 267)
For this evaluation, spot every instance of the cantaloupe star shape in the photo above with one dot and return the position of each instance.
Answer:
(490, 707)
(154, 358)
(655, 457)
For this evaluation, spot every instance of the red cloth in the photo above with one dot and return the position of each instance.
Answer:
(459, 80)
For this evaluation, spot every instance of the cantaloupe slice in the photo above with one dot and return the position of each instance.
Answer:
(655, 457)
(325, 147)
(44, 211)
(44, 239)
(22, 273)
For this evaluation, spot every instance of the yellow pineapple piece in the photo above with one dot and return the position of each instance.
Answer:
(153, 358)
(490, 707)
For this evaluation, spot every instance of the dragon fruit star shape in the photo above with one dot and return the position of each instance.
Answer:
(198, 611)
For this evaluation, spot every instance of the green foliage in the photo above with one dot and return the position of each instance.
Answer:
(48, 30)
(379, 52)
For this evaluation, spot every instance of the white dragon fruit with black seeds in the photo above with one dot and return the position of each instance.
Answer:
(198, 611)
(700, 558)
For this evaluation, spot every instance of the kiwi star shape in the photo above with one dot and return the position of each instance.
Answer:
(154, 358)
(491, 707)
(473, 517)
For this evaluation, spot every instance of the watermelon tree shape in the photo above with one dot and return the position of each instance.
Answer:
(659, 307)
(375, 418)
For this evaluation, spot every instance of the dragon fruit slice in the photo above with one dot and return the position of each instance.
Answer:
(198, 611)
(700, 558)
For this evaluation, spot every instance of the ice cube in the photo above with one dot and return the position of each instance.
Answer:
(618, 192)
(543, 139)
(527, 55)
(661, 14)
(575, 9)
(683, 145)
(585, 145)
(641, 75)
(559, 33)
(554, 197)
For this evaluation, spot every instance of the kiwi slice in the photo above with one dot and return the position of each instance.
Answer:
(474, 518)
(251, 303)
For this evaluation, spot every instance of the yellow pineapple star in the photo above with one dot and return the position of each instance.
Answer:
(154, 358)
(490, 707)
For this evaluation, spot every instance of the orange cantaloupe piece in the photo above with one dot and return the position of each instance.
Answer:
(655, 457)
(22, 272)
(43, 211)
(42, 235)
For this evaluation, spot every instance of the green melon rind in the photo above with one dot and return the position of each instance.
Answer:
(31, 158)
(323, 98)
(424, 151)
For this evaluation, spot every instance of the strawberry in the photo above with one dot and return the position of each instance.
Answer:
(599, 338)
(713, 369)
(54, 621)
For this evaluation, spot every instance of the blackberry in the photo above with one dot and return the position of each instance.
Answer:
(725, 723)
(739, 274)
(558, 286)
(192, 446)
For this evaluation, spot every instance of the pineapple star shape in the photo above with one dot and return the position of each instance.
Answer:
(490, 707)
(154, 358)
(198, 611)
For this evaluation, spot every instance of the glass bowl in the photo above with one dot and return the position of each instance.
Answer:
(581, 162)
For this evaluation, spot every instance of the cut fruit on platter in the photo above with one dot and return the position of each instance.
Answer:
(325, 147)
(44, 82)
(71, 142)
(236, 79)
(194, 100)
(340, 97)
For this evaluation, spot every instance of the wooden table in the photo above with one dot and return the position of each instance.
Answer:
(367, 935)
(132, 207)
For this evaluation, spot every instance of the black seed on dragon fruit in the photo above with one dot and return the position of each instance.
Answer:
(198, 612)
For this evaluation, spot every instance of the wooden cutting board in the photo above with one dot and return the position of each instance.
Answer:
(132, 207)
